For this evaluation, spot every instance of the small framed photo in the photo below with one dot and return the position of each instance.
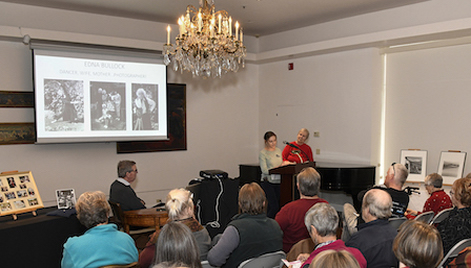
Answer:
(65, 198)
(416, 162)
(451, 165)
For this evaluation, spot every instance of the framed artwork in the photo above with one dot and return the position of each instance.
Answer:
(65, 198)
(17, 133)
(451, 165)
(18, 99)
(416, 162)
(176, 120)
(18, 193)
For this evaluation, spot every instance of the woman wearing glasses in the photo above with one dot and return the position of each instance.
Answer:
(458, 224)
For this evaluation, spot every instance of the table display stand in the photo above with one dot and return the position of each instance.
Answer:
(18, 194)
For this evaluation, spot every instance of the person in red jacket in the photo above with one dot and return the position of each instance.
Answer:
(438, 200)
(298, 151)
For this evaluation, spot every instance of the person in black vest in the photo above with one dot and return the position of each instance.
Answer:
(121, 191)
(250, 233)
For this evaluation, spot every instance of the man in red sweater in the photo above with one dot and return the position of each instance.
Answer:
(291, 216)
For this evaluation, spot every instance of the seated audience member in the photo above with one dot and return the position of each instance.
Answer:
(418, 245)
(375, 237)
(250, 233)
(393, 183)
(102, 244)
(322, 221)
(176, 246)
(438, 199)
(458, 224)
(291, 216)
(334, 259)
(121, 191)
(180, 208)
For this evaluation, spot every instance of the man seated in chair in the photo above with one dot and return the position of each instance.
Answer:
(375, 237)
(102, 244)
(121, 191)
(322, 221)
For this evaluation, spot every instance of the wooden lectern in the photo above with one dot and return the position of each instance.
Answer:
(288, 183)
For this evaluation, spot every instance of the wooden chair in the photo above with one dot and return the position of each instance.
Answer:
(304, 246)
(454, 251)
(131, 265)
(425, 217)
(441, 216)
(120, 220)
(268, 260)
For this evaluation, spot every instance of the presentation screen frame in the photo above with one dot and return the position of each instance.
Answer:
(84, 96)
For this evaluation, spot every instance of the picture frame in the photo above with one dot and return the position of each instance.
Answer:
(415, 161)
(451, 166)
(16, 99)
(176, 120)
(18, 193)
(66, 198)
(17, 133)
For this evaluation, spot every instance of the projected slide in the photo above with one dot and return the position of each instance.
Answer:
(85, 98)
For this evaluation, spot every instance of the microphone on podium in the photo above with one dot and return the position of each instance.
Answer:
(290, 144)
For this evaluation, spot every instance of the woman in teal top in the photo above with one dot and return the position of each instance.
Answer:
(270, 157)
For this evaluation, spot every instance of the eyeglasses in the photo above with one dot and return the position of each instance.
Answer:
(451, 192)
(394, 168)
(134, 170)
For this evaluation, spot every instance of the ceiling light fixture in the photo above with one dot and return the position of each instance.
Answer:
(206, 44)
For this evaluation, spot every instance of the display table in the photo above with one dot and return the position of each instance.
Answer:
(36, 241)
(149, 217)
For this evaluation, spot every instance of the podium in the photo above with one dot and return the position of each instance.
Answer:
(288, 182)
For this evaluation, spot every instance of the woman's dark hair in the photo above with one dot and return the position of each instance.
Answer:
(176, 244)
(268, 135)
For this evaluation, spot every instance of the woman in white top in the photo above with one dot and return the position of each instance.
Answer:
(270, 157)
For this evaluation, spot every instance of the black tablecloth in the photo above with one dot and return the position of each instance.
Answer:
(36, 241)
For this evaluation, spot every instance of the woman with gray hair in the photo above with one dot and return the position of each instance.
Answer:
(102, 244)
(438, 200)
(180, 208)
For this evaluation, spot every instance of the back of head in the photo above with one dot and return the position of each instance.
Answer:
(92, 209)
(378, 202)
(179, 204)
(462, 191)
(252, 199)
(309, 182)
(418, 245)
(124, 167)
(435, 180)
(334, 259)
(177, 245)
(324, 218)
(400, 174)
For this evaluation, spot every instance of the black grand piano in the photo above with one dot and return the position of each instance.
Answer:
(349, 178)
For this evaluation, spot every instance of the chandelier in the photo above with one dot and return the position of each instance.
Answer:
(206, 44)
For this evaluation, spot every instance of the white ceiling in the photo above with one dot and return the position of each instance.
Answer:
(257, 17)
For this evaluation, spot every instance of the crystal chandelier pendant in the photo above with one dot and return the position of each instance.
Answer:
(207, 44)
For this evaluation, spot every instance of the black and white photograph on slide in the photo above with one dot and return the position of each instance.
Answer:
(107, 106)
(145, 115)
(450, 169)
(414, 164)
(63, 103)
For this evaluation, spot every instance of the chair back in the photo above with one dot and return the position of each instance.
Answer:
(118, 213)
(425, 217)
(206, 264)
(396, 222)
(441, 216)
(131, 265)
(454, 251)
(268, 260)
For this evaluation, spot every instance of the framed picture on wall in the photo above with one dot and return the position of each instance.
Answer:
(416, 162)
(451, 165)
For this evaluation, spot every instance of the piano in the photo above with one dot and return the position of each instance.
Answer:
(348, 178)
